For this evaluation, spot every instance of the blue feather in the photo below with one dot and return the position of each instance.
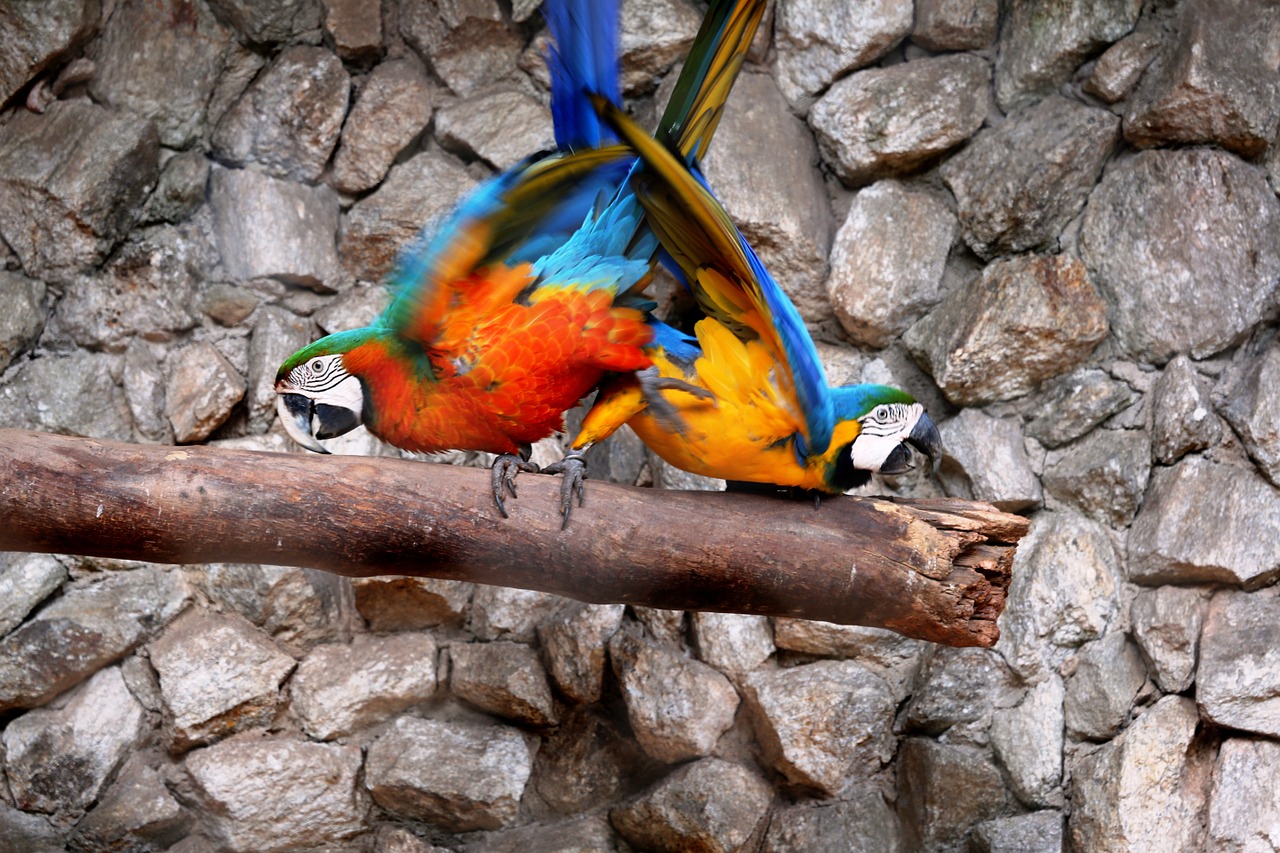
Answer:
(583, 58)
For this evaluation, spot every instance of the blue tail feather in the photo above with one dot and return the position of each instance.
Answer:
(583, 58)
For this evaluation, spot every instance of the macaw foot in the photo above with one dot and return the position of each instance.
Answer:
(574, 468)
(503, 477)
(668, 416)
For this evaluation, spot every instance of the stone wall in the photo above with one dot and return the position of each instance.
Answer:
(1055, 223)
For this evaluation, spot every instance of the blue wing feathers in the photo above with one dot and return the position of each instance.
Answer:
(583, 58)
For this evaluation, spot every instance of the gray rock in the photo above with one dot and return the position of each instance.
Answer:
(200, 391)
(270, 23)
(891, 656)
(817, 42)
(574, 643)
(943, 790)
(218, 675)
(712, 805)
(1028, 741)
(1019, 184)
(1065, 592)
(25, 581)
(955, 687)
(665, 625)
(887, 261)
(414, 196)
(956, 24)
(1179, 537)
(1026, 319)
(1166, 623)
(392, 109)
(143, 292)
(1251, 404)
(1038, 832)
(35, 37)
(59, 760)
(397, 839)
(1169, 289)
(889, 121)
(781, 210)
(180, 189)
(677, 707)
(466, 44)
(587, 762)
(1119, 68)
(353, 309)
(355, 29)
(1238, 676)
(1214, 81)
(410, 604)
(656, 34)
(457, 776)
(1103, 475)
(863, 823)
(136, 813)
(1182, 417)
(504, 679)
(23, 317)
(24, 832)
(72, 183)
(170, 83)
(228, 304)
(986, 460)
(262, 795)
(1143, 789)
(1101, 693)
(587, 834)
(732, 642)
(1075, 404)
(72, 395)
(506, 613)
(501, 127)
(269, 228)
(277, 334)
(1245, 803)
(87, 628)
(822, 724)
(1041, 46)
(300, 608)
(342, 688)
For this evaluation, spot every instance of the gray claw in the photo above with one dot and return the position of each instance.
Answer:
(651, 384)
(502, 477)
(574, 468)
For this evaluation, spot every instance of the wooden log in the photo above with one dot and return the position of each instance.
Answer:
(935, 570)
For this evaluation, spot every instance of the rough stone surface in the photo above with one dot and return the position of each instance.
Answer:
(1144, 788)
(1181, 277)
(1019, 184)
(1166, 624)
(943, 790)
(72, 183)
(574, 644)
(299, 608)
(355, 27)
(271, 228)
(732, 642)
(1183, 420)
(501, 128)
(1077, 403)
(1238, 681)
(887, 261)
(71, 395)
(1244, 808)
(1178, 537)
(340, 688)
(33, 37)
(956, 24)
(87, 628)
(1251, 404)
(25, 581)
(1028, 741)
(269, 23)
(1041, 45)
(410, 604)
(1104, 475)
(712, 805)
(590, 834)
(1064, 593)
(891, 656)
(504, 679)
(677, 707)
(59, 760)
(23, 317)
(588, 762)
(26, 832)
(262, 795)
(957, 688)
(863, 823)
(888, 121)
(986, 460)
(1043, 308)
(818, 42)
(1120, 67)
(1038, 832)
(457, 776)
(655, 35)
(392, 109)
(505, 613)
(137, 813)
(277, 334)
(465, 43)
(822, 724)
(1100, 695)
(200, 391)
(218, 675)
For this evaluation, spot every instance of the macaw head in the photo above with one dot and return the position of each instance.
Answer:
(888, 420)
(317, 396)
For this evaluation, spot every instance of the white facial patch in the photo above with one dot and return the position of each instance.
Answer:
(325, 380)
(883, 429)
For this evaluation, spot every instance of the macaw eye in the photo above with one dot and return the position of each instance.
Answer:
(882, 415)
(316, 366)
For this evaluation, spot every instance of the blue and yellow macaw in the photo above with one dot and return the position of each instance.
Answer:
(529, 294)
(769, 417)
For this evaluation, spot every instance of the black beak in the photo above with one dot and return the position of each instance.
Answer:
(926, 438)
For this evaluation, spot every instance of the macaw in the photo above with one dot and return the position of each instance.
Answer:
(508, 316)
(769, 417)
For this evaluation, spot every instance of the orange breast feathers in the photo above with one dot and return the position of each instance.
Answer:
(499, 373)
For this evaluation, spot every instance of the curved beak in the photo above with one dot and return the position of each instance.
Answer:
(926, 438)
(296, 413)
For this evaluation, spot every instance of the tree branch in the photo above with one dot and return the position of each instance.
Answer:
(935, 570)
